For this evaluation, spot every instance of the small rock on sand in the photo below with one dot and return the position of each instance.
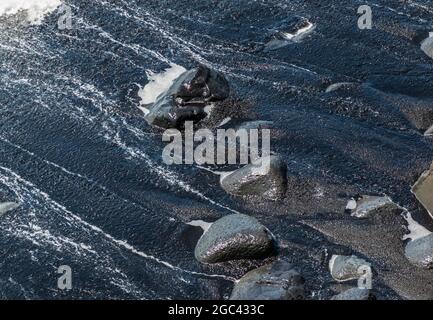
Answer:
(427, 47)
(345, 268)
(364, 206)
(420, 252)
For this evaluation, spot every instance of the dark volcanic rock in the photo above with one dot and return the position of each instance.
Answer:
(252, 180)
(275, 281)
(235, 237)
(420, 252)
(187, 98)
(355, 294)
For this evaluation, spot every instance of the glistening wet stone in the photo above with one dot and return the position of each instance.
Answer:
(235, 237)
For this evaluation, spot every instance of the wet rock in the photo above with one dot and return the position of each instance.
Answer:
(427, 47)
(275, 281)
(345, 268)
(423, 190)
(420, 252)
(7, 206)
(365, 206)
(355, 294)
(235, 237)
(255, 180)
(187, 98)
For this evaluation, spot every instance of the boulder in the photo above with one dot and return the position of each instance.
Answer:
(187, 98)
(253, 180)
(345, 268)
(420, 252)
(235, 237)
(427, 46)
(355, 294)
(275, 281)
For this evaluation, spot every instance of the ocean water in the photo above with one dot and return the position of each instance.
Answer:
(86, 169)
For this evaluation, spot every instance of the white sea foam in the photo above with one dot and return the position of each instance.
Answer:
(7, 206)
(200, 223)
(158, 83)
(299, 34)
(35, 10)
(416, 230)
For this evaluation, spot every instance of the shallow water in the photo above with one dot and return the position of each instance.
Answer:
(86, 169)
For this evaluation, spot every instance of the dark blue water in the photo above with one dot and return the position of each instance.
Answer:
(87, 171)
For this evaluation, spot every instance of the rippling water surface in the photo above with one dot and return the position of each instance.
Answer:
(86, 169)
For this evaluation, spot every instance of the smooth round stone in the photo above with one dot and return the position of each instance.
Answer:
(255, 181)
(235, 237)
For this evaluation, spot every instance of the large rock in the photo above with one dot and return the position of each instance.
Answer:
(251, 180)
(235, 237)
(187, 98)
(355, 294)
(420, 252)
(423, 190)
(345, 268)
(427, 47)
(275, 281)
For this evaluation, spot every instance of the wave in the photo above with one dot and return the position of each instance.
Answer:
(34, 10)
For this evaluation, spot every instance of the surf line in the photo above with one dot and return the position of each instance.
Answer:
(120, 243)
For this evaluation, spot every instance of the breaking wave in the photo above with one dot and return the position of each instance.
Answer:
(34, 10)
